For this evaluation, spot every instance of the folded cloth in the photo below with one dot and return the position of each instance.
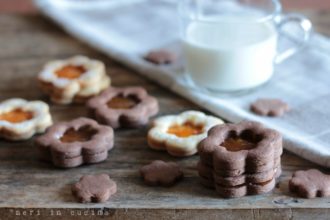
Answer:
(127, 29)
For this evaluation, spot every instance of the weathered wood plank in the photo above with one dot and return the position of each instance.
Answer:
(29, 184)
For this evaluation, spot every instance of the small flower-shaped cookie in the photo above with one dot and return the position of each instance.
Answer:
(94, 188)
(21, 119)
(73, 143)
(160, 57)
(160, 173)
(73, 80)
(123, 107)
(310, 183)
(180, 134)
(270, 107)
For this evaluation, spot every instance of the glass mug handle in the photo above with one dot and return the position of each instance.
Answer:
(303, 23)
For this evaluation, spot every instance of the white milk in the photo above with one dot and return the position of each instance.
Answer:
(230, 55)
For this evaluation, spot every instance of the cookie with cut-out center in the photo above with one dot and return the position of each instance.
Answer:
(21, 119)
(207, 172)
(244, 147)
(245, 189)
(241, 159)
(160, 173)
(310, 183)
(180, 134)
(77, 142)
(123, 107)
(270, 107)
(94, 188)
(73, 80)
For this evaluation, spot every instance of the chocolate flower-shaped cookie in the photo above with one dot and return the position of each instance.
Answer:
(123, 107)
(236, 147)
(270, 107)
(240, 159)
(160, 173)
(310, 183)
(160, 57)
(94, 188)
(233, 181)
(70, 144)
(21, 119)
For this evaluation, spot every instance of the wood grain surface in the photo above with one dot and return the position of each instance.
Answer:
(31, 189)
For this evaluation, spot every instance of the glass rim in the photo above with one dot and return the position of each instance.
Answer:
(277, 8)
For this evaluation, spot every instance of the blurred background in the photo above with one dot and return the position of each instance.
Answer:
(26, 6)
(316, 10)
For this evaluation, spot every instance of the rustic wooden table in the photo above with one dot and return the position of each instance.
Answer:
(31, 189)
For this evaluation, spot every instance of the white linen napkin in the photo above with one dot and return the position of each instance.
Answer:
(127, 29)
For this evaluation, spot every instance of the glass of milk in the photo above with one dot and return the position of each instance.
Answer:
(231, 45)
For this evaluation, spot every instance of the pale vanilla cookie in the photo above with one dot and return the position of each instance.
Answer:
(73, 80)
(180, 134)
(21, 119)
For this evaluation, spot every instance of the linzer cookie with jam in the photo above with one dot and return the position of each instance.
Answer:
(77, 142)
(73, 80)
(240, 159)
(123, 107)
(180, 134)
(208, 174)
(21, 119)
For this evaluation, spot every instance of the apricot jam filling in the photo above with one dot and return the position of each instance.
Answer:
(70, 72)
(185, 130)
(247, 140)
(237, 144)
(122, 102)
(16, 116)
(83, 134)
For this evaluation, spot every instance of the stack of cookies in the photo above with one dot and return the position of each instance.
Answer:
(240, 159)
